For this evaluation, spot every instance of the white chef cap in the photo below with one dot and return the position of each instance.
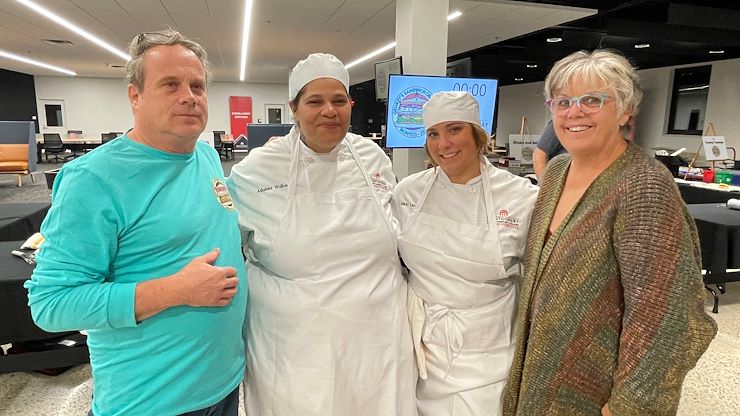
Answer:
(451, 106)
(315, 66)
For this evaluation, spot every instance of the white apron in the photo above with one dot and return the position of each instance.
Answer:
(328, 332)
(461, 307)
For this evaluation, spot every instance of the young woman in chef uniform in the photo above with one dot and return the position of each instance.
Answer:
(463, 230)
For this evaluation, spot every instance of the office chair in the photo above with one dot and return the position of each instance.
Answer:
(222, 148)
(53, 145)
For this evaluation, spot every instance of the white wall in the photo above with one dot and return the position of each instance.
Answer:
(515, 102)
(723, 108)
(97, 105)
(93, 105)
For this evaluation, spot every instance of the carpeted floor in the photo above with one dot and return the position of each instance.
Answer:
(711, 389)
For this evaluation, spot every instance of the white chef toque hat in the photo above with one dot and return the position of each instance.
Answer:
(451, 106)
(315, 66)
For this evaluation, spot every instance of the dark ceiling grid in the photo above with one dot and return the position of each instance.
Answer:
(679, 32)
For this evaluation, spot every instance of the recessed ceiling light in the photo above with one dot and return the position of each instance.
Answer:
(554, 40)
(531, 65)
(717, 51)
(642, 45)
(518, 79)
(115, 66)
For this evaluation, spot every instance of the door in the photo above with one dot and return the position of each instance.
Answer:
(53, 117)
(274, 113)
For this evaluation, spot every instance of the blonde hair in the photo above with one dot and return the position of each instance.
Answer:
(479, 136)
(608, 66)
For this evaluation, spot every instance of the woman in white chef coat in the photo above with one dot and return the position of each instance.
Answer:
(463, 231)
(327, 331)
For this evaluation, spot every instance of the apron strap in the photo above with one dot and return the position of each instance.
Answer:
(452, 327)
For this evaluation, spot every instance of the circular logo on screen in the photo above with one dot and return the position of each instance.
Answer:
(406, 111)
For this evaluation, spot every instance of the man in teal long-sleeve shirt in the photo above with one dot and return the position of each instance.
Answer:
(143, 250)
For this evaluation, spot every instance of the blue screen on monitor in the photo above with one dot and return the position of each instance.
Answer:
(408, 93)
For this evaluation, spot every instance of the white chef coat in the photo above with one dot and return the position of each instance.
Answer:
(463, 245)
(327, 331)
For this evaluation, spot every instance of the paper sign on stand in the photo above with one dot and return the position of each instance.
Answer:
(715, 147)
(521, 147)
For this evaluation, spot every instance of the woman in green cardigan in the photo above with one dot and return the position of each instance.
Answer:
(611, 315)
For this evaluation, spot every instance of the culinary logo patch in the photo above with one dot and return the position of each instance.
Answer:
(379, 183)
(504, 220)
(222, 194)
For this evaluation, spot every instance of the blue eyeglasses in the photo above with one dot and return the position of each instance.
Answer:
(588, 103)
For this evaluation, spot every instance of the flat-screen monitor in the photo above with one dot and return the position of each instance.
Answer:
(259, 134)
(382, 70)
(408, 93)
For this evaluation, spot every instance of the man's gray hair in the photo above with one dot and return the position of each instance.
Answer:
(145, 41)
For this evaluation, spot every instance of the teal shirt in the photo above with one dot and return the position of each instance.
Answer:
(123, 214)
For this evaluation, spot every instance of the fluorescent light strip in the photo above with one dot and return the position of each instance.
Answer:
(701, 87)
(245, 38)
(74, 28)
(453, 15)
(34, 62)
(371, 54)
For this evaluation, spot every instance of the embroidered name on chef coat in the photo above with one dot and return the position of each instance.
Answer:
(271, 187)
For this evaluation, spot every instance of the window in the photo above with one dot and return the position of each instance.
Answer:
(689, 100)
(54, 115)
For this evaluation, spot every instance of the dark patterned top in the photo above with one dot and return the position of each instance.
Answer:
(611, 309)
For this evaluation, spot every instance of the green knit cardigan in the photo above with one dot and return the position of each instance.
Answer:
(611, 308)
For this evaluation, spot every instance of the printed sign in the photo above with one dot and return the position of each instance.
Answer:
(715, 147)
(521, 147)
(240, 110)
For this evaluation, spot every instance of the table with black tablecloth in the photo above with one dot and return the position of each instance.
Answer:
(19, 221)
(719, 233)
(17, 327)
(702, 195)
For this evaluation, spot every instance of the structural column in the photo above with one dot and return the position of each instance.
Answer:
(421, 37)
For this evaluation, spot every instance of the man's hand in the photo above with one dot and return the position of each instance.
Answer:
(199, 283)
(605, 411)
